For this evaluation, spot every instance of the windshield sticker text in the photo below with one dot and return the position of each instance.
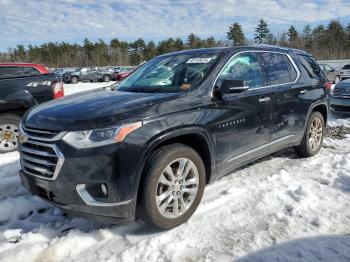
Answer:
(199, 60)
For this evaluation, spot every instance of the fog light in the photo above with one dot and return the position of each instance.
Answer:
(104, 190)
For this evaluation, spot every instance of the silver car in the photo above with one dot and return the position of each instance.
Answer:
(345, 72)
(332, 74)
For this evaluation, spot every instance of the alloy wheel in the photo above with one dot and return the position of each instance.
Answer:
(8, 137)
(177, 188)
(315, 134)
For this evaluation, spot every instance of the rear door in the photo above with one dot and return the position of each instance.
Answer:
(242, 133)
(292, 97)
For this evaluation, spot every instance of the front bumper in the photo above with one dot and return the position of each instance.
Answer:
(48, 191)
(340, 104)
(73, 189)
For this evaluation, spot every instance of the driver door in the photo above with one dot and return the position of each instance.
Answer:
(243, 132)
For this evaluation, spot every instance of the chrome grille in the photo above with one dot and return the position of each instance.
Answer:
(42, 135)
(39, 157)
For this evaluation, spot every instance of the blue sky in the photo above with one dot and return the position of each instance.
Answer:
(37, 21)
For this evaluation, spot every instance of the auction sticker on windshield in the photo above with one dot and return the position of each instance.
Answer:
(199, 60)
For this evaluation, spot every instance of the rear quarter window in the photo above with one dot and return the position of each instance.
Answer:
(279, 69)
(310, 66)
(30, 71)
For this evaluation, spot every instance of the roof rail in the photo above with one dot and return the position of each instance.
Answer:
(266, 45)
(282, 47)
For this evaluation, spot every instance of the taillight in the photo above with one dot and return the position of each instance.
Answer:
(58, 90)
(328, 85)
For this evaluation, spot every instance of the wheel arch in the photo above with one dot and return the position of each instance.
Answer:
(196, 138)
(323, 109)
(75, 76)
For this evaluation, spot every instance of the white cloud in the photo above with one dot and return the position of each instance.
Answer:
(33, 20)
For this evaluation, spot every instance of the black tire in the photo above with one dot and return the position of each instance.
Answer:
(74, 80)
(337, 80)
(147, 208)
(8, 119)
(106, 78)
(304, 149)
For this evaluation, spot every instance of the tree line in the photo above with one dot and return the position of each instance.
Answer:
(331, 41)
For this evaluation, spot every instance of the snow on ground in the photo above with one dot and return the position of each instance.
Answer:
(280, 208)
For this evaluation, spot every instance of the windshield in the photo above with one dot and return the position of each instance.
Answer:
(170, 74)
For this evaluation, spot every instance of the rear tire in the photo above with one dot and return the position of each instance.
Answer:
(106, 78)
(74, 80)
(313, 137)
(169, 198)
(9, 132)
(337, 80)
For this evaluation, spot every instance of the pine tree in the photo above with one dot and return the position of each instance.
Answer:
(236, 35)
(193, 41)
(261, 32)
(293, 37)
(307, 38)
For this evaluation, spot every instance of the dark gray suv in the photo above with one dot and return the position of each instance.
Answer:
(177, 123)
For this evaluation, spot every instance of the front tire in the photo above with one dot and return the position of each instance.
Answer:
(337, 80)
(106, 78)
(74, 80)
(173, 186)
(313, 137)
(8, 133)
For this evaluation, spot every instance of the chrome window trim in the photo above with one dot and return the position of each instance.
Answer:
(90, 201)
(259, 51)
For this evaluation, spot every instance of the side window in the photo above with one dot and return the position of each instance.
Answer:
(244, 67)
(29, 71)
(310, 66)
(9, 71)
(328, 68)
(279, 69)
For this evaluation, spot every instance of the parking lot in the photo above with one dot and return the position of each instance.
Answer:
(278, 206)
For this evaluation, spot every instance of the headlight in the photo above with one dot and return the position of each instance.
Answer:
(100, 137)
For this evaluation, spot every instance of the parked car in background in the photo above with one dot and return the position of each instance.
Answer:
(340, 99)
(124, 73)
(23, 86)
(345, 72)
(61, 71)
(332, 74)
(22, 69)
(177, 123)
(88, 74)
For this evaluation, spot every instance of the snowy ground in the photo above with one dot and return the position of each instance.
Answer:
(280, 208)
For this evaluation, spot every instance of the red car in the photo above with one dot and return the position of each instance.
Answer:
(27, 68)
(120, 76)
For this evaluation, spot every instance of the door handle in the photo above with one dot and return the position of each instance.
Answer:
(302, 91)
(264, 99)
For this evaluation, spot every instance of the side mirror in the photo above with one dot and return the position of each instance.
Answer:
(232, 86)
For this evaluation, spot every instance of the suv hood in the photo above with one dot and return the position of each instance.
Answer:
(97, 109)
